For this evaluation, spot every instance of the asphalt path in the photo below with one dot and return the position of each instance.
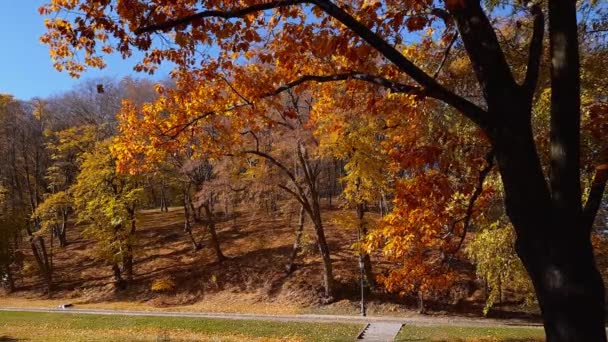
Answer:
(319, 318)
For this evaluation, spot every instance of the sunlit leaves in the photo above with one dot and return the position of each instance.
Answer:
(105, 202)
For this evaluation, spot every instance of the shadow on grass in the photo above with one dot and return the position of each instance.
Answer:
(7, 339)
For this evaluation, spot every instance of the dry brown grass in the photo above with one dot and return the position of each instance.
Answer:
(85, 335)
(252, 280)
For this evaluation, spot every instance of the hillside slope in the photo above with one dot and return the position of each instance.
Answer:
(253, 279)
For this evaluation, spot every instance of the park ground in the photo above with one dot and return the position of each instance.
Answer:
(18, 326)
(252, 281)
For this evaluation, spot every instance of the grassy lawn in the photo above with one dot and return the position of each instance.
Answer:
(73, 327)
(451, 333)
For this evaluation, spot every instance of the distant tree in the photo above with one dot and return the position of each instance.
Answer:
(11, 224)
(22, 174)
(106, 203)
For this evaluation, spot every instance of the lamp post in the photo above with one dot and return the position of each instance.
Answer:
(363, 309)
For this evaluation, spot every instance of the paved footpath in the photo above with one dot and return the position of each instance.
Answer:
(380, 332)
(405, 319)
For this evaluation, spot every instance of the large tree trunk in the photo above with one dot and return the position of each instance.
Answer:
(568, 285)
(556, 253)
(552, 239)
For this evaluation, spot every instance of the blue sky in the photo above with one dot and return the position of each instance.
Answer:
(26, 70)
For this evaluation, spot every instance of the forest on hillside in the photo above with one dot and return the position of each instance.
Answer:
(447, 138)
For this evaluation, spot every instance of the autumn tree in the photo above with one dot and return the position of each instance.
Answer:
(66, 149)
(321, 41)
(106, 203)
(200, 194)
(348, 125)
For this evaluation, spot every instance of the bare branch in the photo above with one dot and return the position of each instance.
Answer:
(483, 174)
(467, 108)
(273, 161)
(300, 195)
(236, 91)
(446, 54)
(393, 86)
(175, 131)
(182, 127)
(596, 193)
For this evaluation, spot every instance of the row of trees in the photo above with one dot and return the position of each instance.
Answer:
(57, 170)
(295, 157)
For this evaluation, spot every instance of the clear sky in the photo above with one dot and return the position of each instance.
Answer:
(26, 69)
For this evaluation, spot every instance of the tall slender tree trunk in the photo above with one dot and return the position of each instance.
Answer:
(118, 281)
(196, 246)
(128, 255)
(42, 260)
(365, 261)
(297, 242)
(10, 281)
(211, 226)
(62, 229)
(164, 207)
(188, 225)
(328, 278)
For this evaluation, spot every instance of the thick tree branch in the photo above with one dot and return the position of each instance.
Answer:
(467, 108)
(484, 50)
(483, 174)
(273, 161)
(443, 15)
(596, 193)
(300, 195)
(175, 131)
(535, 51)
(182, 127)
(393, 86)
(226, 14)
